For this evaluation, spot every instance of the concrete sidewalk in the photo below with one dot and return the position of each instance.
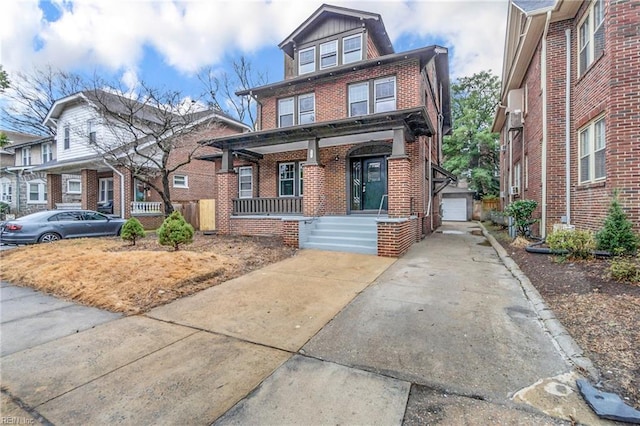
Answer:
(444, 334)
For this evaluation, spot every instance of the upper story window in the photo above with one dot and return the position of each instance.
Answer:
(180, 181)
(26, 156)
(592, 151)
(245, 182)
(67, 136)
(591, 36)
(372, 96)
(329, 54)
(91, 131)
(47, 152)
(307, 60)
(299, 109)
(352, 49)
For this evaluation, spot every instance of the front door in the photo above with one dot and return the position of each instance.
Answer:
(368, 183)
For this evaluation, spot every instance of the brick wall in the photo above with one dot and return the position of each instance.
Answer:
(54, 190)
(395, 238)
(263, 226)
(89, 179)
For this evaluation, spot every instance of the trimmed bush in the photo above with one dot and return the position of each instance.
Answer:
(175, 231)
(617, 236)
(132, 230)
(577, 244)
(521, 212)
(625, 270)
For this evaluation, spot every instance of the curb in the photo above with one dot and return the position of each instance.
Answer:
(560, 336)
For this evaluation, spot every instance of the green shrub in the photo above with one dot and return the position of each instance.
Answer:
(626, 270)
(521, 212)
(578, 244)
(4, 209)
(132, 230)
(617, 236)
(175, 231)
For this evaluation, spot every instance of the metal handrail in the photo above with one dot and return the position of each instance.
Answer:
(381, 204)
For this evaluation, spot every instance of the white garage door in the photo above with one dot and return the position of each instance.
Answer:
(454, 209)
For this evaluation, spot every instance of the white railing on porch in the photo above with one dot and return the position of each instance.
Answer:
(280, 205)
(146, 207)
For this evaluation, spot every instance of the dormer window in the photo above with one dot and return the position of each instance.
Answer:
(307, 60)
(352, 49)
(329, 54)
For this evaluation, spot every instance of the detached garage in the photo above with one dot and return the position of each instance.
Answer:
(457, 204)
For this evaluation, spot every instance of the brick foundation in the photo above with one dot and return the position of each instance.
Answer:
(396, 237)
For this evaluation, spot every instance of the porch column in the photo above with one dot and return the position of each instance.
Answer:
(119, 184)
(313, 182)
(399, 175)
(227, 161)
(54, 190)
(89, 189)
(227, 191)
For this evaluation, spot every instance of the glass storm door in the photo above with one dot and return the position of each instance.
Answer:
(368, 183)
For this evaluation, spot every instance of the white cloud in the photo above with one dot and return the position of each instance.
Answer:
(191, 34)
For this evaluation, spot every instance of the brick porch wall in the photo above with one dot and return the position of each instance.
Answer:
(89, 179)
(54, 190)
(396, 237)
(259, 226)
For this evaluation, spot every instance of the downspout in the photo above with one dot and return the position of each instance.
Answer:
(430, 188)
(121, 186)
(543, 84)
(567, 128)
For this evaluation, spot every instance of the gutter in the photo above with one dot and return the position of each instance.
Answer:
(121, 186)
(543, 83)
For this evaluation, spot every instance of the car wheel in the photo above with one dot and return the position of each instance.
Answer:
(48, 237)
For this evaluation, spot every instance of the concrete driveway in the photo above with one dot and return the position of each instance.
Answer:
(444, 334)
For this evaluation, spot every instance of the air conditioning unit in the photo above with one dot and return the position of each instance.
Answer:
(516, 121)
(514, 190)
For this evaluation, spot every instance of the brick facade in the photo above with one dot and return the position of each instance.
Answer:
(608, 88)
(54, 190)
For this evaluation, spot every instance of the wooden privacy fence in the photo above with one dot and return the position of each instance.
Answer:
(200, 214)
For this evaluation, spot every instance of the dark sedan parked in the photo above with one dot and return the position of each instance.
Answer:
(53, 225)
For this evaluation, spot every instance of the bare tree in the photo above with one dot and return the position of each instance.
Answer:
(221, 88)
(30, 96)
(152, 132)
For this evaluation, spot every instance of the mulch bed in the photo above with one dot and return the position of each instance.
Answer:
(601, 314)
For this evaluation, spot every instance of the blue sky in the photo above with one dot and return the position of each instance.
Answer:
(166, 43)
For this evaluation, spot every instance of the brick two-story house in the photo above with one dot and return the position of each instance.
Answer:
(348, 148)
(83, 131)
(570, 122)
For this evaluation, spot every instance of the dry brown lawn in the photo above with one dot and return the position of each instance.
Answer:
(109, 273)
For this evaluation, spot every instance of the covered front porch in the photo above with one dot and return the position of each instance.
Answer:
(290, 181)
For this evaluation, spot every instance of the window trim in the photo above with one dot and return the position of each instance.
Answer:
(295, 113)
(300, 64)
(297, 179)
(91, 131)
(78, 181)
(395, 93)
(371, 93)
(593, 150)
(42, 192)
(184, 185)
(67, 137)
(349, 101)
(292, 99)
(321, 55)
(312, 112)
(6, 191)
(43, 153)
(590, 44)
(26, 156)
(103, 191)
(240, 190)
(344, 51)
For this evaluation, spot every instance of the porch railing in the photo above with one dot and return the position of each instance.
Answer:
(146, 207)
(280, 205)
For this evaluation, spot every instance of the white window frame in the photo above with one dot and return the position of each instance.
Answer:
(324, 53)
(307, 67)
(41, 190)
(351, 101)
(46, 150)
(67, 137)
(587, 29)
(346, 54)
(592, 143)
(73, 191)
(26, 156)
(6, 191)
(103, 190)
(91, 131)
(300, 179)
(282, 101)
(386, 99)
(243, 172)
(180, 181)
(306, 117)
(517, 176)
(292, 179)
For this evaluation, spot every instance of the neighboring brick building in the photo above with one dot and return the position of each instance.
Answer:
(347, 152)
(83, 132)
(570, 126)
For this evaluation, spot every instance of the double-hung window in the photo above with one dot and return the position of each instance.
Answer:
(37, 192)
(329, 54)
(47, 152)
(285, 112)
(306, 108)
(290, 179)
(245, 182)
(591, 36)
(6, 190)
(105, 193)
(352, 49)
(592, 151)
(74, 186)
(307, 60)
(26, 156)
(67, 137)
(91, 131)
(372, 96)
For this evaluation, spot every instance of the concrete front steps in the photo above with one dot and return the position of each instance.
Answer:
(353, 234)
